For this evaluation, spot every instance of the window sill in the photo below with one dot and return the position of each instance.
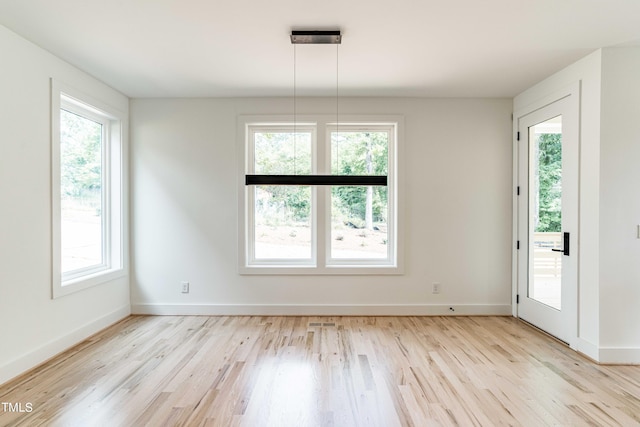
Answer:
(333, 270)
(71, 286)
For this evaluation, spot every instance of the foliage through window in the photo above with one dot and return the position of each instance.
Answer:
(81, 191)
(282, 217)
(326, 229)
(359, 214)
(549, 158)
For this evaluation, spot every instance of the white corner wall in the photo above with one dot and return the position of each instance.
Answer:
(456, 209)
(609, 271)
(34, 327)
(587, 72)
(620, 206)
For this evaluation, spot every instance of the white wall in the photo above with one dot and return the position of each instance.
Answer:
(34, 327)
(620, 205)
(457, 211)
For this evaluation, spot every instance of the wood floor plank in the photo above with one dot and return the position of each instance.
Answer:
(322, 371)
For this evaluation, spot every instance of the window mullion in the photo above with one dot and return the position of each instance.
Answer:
(250, 199)
(321, 196)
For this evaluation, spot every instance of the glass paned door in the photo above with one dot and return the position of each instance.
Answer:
(547, 267)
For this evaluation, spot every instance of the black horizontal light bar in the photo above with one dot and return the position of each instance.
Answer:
(316, 37)
(347, 180)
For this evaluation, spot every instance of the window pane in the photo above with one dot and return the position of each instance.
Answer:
(545, 207)
(282, 213)
(359, 153)
(81, 189)
(282, 153)
(282, 222)
(359, 214)
(359, 222)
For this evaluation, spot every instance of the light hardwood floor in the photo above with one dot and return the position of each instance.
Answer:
(323, 371)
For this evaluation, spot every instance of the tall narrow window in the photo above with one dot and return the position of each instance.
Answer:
(87, 192)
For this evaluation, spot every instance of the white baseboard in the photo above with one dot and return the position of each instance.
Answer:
(47, 351)
(321, 310)
(609, 355)
(588, 349)
(619, 356)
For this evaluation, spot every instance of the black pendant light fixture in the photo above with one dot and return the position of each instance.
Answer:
(316, 37)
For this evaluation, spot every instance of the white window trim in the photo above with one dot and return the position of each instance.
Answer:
(114, 195)
(321, 263)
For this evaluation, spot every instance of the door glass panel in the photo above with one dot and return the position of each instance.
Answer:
(545, 212)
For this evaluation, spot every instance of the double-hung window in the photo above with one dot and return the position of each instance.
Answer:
(281, 221)
(360, 215)
(319, 229)
(87, 177)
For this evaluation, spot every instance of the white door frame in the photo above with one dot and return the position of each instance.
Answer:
(573, 93)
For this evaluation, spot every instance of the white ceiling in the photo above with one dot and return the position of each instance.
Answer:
(229, 48)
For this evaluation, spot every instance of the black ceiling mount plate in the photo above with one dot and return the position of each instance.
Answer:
(316, 37)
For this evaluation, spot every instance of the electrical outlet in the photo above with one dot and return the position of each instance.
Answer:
(185, 287)
(435, 289)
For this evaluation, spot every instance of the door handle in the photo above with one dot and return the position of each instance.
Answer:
(565, 250)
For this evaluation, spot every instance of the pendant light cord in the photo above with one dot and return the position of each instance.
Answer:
(337, 116)
(295, 133)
